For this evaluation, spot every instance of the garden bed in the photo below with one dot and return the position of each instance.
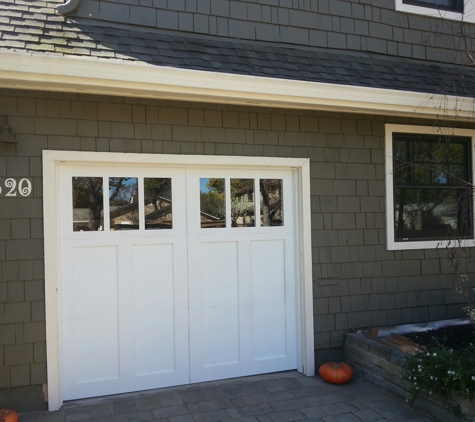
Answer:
(382, 364)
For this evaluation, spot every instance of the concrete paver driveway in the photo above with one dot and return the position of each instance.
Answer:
(281, 397)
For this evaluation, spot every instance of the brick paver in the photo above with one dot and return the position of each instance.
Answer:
(281, 397)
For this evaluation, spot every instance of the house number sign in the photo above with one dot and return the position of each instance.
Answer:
(15, 187)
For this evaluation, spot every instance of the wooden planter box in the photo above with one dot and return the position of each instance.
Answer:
(382, 366)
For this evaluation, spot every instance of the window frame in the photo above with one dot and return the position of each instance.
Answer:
(390, 129)
(467, 15)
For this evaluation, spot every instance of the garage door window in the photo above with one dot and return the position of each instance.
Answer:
(271, 202)
(239, 206)
(158, 203)
(242, 203)
(124, 203)
(88, 204)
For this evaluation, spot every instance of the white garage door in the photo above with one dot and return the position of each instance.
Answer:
(171, 276)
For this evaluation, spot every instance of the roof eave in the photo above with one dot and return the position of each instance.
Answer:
(86, 75)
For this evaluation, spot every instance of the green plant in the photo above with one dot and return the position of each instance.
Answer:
(442, 371)
(467, 290)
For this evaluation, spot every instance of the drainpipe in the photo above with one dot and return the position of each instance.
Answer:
(67, 8)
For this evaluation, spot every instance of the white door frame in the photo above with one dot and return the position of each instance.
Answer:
(52, 160)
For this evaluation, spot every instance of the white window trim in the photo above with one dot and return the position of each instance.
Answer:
(467, 16)
(424, 244)
(52, 160)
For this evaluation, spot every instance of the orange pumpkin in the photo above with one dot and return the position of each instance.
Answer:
(7, 415)
(336, 372)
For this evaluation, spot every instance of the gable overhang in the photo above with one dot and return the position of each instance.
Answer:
(88, 75)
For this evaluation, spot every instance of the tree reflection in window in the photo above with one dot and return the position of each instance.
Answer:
(124, 203)
(158, 203)
(271, 202)
(432, 187)
(212, 203)
(88, 204)
(242, 203)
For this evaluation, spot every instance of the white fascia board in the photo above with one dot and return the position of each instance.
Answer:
(131, 79)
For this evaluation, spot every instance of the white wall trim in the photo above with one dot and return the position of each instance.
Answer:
(51, 163)
(107, 77)
(390, 235)
(50, 222)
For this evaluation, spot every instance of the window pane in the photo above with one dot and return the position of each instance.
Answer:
(422, 152)
(271, 202)
(420, 174)
(124, 203)
(88, 204)
(242, 203)
(456, 153)
(213, 203)
(452, 5)
(424, 160)
(432, 213)
(158, 203)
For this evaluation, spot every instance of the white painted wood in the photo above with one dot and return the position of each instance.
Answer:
(243, 284)
(132, 376)
(140, 80)
(154, 308)
(124, 318)
(306, 357)
(391, 243)
(50, 226)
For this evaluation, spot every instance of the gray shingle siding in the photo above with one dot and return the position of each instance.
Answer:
(295, 23)
(357, 282)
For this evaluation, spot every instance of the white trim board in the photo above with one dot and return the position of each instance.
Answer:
(52, 160)
(130, 79)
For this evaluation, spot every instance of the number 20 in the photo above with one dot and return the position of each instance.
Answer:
(24, 187)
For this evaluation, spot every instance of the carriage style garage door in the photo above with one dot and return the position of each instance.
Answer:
(174, 275)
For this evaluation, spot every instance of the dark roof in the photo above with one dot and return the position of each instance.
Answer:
(34, 27)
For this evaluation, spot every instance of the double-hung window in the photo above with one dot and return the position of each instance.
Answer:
(429, 186)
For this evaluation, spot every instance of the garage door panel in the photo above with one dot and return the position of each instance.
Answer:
(153, 278)
(97, 349)
(220, 336)
(95, 281)
(154, 343)
(219, 274)
(268, 275)
(269, 331)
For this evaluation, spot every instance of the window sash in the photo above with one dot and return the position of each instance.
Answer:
(430, 202)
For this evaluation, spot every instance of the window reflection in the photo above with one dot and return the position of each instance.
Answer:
(271, 202)
(212, 201)
(88, 204)
(124, 203)
(242, 203)
(158, 203)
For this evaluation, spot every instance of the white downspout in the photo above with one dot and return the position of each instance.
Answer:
(67, 8)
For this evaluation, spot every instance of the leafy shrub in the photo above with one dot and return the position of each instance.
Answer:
(442, 371)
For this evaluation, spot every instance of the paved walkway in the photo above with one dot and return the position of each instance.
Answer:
(281, 397)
